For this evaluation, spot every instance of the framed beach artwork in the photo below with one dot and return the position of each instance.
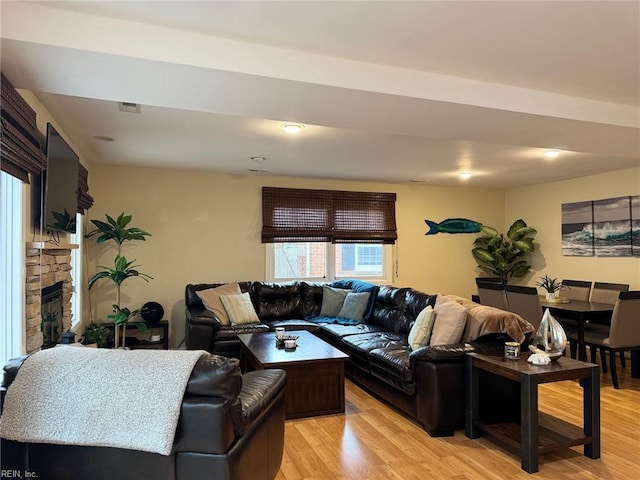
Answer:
(577, 229)
(635, 225)
(612, 227)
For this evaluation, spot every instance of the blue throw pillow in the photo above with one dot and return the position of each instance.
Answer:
(359, 286)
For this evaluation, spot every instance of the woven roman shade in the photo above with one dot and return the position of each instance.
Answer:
(85, 201)
(20, 152)
(300, 215)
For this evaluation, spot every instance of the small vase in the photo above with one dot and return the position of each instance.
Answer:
(551, 296)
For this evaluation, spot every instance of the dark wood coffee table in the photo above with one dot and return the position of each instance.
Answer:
(315, 371)
(536, 432)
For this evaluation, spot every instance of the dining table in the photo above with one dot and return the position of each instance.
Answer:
(582, 312)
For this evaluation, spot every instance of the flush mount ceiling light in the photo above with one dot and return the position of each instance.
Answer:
(258, 159)
(551, 153)
(103, 138)
(292, 127)
(465, 176)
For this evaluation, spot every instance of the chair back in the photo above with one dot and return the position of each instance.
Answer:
(492, 294)
(525, 302)
(625, 321)
(607, 292)
(576, 290)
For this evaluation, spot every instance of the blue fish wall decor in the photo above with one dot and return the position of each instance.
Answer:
(453, 225)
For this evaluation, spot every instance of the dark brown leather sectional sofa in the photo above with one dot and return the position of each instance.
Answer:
(231, 426)
(426, 384)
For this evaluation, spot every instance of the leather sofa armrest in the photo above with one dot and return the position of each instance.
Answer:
(202, 316)
(431, 353)
(457, 351)
(260, 390)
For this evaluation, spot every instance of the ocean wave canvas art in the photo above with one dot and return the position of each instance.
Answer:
(604, 228)
(612, 227)
(635, 225)
(577, 229)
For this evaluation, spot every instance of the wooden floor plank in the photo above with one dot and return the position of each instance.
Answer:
(372, 441)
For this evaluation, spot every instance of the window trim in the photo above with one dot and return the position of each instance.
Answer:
(388, 254)
(12, 258)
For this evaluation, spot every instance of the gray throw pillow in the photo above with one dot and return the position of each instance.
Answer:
(332, 300)
(355, 304)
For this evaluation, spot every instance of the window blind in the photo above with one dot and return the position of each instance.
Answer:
(20, 152)
(301, 215)
(85, 201)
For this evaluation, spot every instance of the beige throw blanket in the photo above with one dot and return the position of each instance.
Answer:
(96, 397)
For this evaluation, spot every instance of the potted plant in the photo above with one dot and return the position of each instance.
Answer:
(503, 255)
(95, 333)
(550, 285)
(117, 230)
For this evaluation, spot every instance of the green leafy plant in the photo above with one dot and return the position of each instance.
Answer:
(503, 255)
(96, 333)
(118, 231)
(551, 285)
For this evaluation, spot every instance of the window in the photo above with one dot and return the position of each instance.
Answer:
(76, 272)
(11, 267)
(318, 261)
(328, 234)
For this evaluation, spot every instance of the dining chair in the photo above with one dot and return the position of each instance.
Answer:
(607, 292)
(573, 290)
(491, 293)
(623, 334)
(576, 290)
(525, 302)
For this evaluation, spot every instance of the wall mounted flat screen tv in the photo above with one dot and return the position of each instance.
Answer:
(57, 187)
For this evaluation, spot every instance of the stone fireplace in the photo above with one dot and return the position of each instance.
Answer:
(46, 266)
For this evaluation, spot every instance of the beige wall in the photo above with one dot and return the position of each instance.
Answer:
(540, 206)
(206, 228)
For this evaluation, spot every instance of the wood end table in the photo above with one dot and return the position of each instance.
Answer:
(537, 432)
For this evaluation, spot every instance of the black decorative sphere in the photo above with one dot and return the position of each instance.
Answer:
(152, 312)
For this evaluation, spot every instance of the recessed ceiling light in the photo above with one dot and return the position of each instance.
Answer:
(551, 153)
(103, 138)
(258, 159)
(465, 176)
(292, 127)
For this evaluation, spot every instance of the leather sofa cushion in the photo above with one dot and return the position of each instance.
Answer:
(339, 331)
(215, 376)
(274, 301)
(393, 361)
(294, 324)
(390, 309)
(364, 343)
(311, 299)
(259, 390)
(229, 332)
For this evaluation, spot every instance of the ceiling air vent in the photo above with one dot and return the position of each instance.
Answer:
(129, 107)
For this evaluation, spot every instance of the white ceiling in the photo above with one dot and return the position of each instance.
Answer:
(388, 91)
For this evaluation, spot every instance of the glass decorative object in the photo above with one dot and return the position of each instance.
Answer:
(550, 339)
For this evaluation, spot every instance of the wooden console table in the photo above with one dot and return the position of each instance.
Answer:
(537, 432)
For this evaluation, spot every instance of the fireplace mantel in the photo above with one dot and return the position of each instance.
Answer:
(51, 246)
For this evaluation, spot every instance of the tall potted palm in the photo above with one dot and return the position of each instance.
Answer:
(117, 230)
(502, 255)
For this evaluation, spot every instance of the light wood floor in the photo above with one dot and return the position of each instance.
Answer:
(371, 441)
